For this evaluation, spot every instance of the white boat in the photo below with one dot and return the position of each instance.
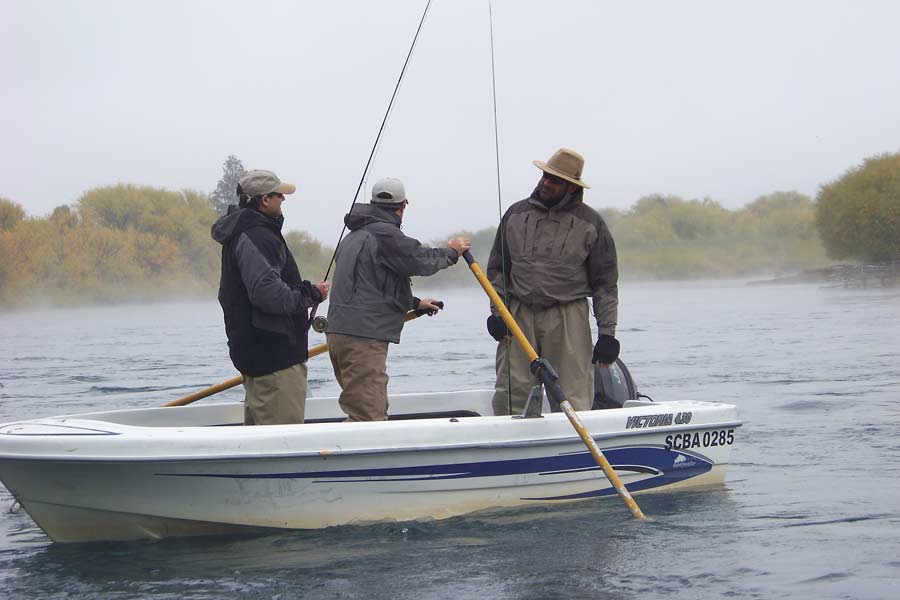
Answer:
(193, 470)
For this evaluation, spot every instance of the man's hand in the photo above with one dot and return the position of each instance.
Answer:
(460, 245)
(324, 287)
(430, 306)
(606, 350)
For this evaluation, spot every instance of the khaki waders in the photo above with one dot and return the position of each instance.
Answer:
(562, 335)
(360, 367)
(276, 399)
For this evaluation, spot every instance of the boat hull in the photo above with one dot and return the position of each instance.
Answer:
(122, 482)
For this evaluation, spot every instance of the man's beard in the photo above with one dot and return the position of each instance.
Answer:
(551, 201)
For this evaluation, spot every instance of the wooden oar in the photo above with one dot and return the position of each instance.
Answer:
(235, 381)
(548, 377)
(215, 389)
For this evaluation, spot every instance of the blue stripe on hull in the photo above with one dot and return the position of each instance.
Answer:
(670, 466)
(676, 469)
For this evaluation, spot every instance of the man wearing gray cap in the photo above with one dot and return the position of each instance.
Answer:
(372, 294)
(551, 252)
(265, 302)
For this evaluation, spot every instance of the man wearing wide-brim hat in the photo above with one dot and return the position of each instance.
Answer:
(551, 254)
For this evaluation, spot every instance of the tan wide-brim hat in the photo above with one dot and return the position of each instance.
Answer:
(566, 164)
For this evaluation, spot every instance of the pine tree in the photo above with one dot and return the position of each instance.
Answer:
(232, 171)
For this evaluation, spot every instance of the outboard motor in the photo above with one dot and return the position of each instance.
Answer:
(613, 385)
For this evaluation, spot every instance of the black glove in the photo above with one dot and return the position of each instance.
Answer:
(497, 328)
(606, 350)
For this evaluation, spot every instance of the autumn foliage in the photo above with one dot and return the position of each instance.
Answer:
(859, 214)
(130, 243)
(116, 244)
(668, 237)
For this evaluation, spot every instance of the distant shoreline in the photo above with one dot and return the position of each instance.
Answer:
(436, 287)
(884, 274)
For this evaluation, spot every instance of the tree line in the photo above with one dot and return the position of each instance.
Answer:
(120, 243)
(668, 237)
(126, 243)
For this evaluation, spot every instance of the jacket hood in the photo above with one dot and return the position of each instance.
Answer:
(366, 214)
(238, 220)
(568, 201)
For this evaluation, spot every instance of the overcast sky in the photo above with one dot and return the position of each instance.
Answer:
(727, 100)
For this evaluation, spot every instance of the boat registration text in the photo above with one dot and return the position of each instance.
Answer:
(684, 441)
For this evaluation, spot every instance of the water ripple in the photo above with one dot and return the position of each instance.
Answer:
(124, 389)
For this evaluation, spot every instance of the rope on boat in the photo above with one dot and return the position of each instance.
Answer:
(380, 130)
(14, 507)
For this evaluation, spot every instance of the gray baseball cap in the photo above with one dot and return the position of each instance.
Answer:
(260, 182)
(388, 191)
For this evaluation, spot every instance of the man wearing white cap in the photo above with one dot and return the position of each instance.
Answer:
(265, 302)
(372, 294)
(551, 253)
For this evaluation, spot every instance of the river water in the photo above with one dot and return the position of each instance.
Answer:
(810, 507)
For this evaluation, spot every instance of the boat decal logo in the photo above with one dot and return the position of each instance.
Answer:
(684, 462)
(662, 420)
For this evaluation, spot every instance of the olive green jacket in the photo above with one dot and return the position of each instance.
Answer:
(544, 257)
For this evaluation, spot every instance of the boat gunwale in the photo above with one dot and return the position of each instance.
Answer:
(326, 453)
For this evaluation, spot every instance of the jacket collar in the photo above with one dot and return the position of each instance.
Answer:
(242, 219)
(367, 214)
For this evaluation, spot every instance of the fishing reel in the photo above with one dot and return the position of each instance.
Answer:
(320, 323)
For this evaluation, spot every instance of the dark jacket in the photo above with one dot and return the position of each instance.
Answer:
(263, 297)
(557, 255)
(371, 290)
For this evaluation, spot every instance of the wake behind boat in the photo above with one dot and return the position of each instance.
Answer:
(194, 470)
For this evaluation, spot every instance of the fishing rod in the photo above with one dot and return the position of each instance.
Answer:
(319, 324)
(494, 96)
(380, 131)
(500, 231)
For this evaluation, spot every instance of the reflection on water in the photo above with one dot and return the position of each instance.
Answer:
(810, 507)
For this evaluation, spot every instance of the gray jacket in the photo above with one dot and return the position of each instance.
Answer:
(371, 291)
(555, 256)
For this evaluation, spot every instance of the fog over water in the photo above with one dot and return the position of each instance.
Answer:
(810, 507)
(725, 100)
